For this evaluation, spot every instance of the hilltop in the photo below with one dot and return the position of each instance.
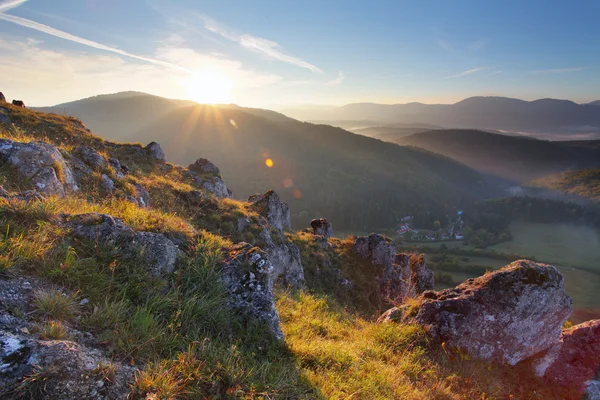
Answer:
(358, 182)
(584, 183)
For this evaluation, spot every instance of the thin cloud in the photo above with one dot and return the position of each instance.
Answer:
(10, 4)
(557, 70)
(73, 38)
(468, 72)
(338, 80)
(258, 45)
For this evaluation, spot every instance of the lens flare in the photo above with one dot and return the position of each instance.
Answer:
(288, 182)
(297, 193)
(269, 162)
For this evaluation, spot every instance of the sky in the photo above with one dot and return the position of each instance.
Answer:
(280, 53)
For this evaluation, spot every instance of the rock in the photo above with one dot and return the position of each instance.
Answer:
(592, 391)
(506, 316)
(4, 192)
(26, 195)
(421, 277)
(285, 258)
(80, 169)
(99, 228)
(246, 272)
(270, 206)
(142, 196)
(19, 103)
(321, 227)
(575, 359)
(2, 98)
(159, 252)
(91, 158)
(156, 152)
(120, 170)
(376, 248)
(40, 163)
(106, 183)
(203, 166)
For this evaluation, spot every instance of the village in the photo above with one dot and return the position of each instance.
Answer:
(452, 231)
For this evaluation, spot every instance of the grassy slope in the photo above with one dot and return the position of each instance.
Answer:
(179, 330)
(584, 183)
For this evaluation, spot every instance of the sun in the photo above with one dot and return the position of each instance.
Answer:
(209, 87)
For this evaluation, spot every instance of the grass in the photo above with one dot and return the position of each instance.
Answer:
(54, 330)
(54, 304)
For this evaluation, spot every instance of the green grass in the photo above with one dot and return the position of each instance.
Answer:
(55, 304)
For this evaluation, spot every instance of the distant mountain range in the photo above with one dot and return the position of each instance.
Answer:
(518, 159)
(355, 181)
(544, 116)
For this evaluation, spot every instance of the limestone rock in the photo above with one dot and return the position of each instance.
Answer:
(270, 206)
(120, 170)
(575, 360)
(592, 391)
(90, 157)
(321, 227)
(506, 316)
(142, 197)
(2, 98)
(106, 183)
(246, 272)
(421, 277)
(40, 163)
(99, 227)
(378, 249)
(156, 152)
(214, 185)
(203, 166)
(159, 252)
(285, 258)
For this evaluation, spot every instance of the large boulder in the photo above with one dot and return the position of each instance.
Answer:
(203, 166)
(377, 249)
(284, 256)
(156, 152)
(321, 227)
(506, 316)
(246, 272)
(574, 360)
(98, 227)
(270, 206)
(159, 252)
(41, 164)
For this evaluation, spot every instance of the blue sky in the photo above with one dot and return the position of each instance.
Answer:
(272, 53)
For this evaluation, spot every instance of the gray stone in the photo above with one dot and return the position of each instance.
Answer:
(159, 252)
(321, 227)
(270, 206)
(592, 391)
(285, 258)
(117, 167)
(506, 316)
(156, 152)
(106, 183)
(142, 196)
(91, 158)
(41, 164)
(247, 274)
(203, 166)
(2, 98)
(99, 228)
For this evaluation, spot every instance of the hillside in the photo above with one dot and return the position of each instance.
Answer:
(125, 276)
(359, 182)
(584, 183)
(544, 116)
(518, 159)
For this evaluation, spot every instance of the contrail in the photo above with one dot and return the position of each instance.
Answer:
(73, 38)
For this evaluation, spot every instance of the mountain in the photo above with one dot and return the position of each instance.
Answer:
(584, 183)
(519, 159)
(549, 116)
(358, 182)
(595, 103)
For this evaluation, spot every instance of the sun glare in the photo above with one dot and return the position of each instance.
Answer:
(209, 87)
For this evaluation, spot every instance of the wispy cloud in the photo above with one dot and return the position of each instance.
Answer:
(257, 44)
(468, 72)
(10, 4)
(338, 80)
(557, 70)
(73, 38)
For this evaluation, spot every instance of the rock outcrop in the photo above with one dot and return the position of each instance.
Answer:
(205, 176)
(156, 152)
(39, 164)
(321, 227)
(270, 206)
(91, 158)
(506, 316)
(159, 252)
(2, 98)
(247, 274)
(203, 166)
(575, 360)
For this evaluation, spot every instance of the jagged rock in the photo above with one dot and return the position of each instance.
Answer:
(321, 227)
(41, 164)
(203, 166)
(106, 183)
(378, 249)
(80, 169)
(214, 185)
(143, 197)
(157, 250)
(285, 258)
(19, 103)
(2, 98)
(574, 360)
(156, 152)
(421, 277)
(270, 206)
(506, 316)
(90, 157)
(120, 170)
(592, 392)
(246, 272)
(99, 227)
